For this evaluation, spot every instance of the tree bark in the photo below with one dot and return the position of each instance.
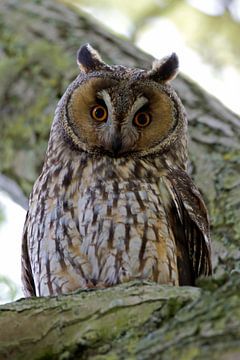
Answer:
(39, 41)
(137, 320)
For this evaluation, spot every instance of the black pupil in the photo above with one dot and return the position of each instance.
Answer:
(142, 119)
(99, 113)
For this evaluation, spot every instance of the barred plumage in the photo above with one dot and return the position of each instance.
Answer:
(114, 201)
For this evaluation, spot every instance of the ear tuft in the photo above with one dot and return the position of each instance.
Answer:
(165, 69)
(88, 59)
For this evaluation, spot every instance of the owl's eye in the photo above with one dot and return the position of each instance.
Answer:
(99, 113)
(142, 119)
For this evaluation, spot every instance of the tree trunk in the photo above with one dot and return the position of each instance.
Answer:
(39, 41)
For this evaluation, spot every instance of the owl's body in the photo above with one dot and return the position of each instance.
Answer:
(114, 201)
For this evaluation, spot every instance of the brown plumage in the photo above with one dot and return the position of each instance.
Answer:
(114, 201)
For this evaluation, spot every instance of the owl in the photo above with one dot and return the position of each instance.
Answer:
(114, 201)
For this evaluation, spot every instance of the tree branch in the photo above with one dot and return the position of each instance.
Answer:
(136, 320)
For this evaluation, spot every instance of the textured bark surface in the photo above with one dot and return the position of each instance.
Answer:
(130, 321)
(39, 40)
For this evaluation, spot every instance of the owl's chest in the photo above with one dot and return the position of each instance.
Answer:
(127, 203)
(105, 232)
(125, 231)
(112, 214)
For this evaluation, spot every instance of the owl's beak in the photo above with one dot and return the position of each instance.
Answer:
(116, 145)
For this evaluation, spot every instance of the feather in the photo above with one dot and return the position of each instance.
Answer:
(190, 224)
(165, 69)
(27, 277)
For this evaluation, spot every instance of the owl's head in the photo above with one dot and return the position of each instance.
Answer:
(120, 111)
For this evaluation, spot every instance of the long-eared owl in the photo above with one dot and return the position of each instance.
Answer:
(114, 201)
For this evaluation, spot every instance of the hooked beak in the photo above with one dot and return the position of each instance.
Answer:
(116, 145)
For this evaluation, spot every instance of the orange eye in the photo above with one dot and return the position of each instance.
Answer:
(142, 119)
(99, 113)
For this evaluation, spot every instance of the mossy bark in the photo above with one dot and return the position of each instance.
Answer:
(39, 40)
(137, 320)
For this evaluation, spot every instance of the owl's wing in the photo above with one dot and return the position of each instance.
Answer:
(190, 224)
(27, 277)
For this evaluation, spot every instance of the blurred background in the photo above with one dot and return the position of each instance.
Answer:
(206, 36)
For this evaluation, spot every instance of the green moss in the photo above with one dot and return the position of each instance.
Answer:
(190, 354)
(9, 70)
(35, 69)
(48, 57)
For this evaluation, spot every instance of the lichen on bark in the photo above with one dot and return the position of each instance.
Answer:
(136, 320)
